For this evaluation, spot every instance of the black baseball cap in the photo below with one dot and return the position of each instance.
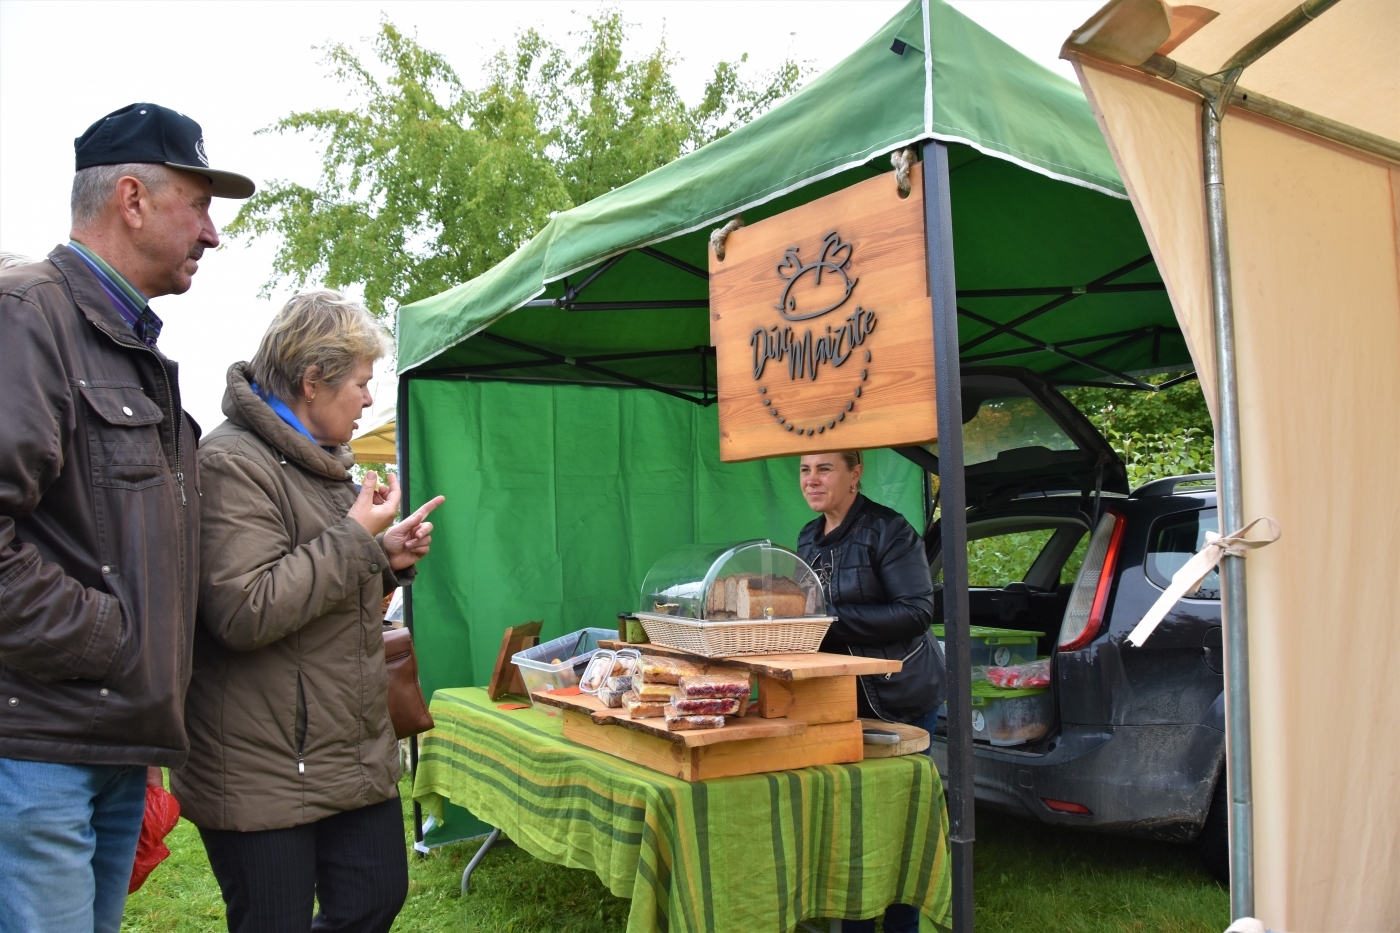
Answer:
(152, 133)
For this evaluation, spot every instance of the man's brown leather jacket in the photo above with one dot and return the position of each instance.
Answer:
(99, 528)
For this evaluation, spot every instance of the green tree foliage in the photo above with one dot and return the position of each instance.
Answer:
(426, 183)
(1166, 433)
(1175, 409)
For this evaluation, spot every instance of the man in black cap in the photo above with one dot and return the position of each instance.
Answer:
(98, 524)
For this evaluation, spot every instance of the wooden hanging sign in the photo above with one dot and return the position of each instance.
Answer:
(823, 327)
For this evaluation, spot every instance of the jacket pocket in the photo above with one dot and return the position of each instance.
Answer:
(124, 437)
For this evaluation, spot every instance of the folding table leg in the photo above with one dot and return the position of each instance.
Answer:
(476, 859)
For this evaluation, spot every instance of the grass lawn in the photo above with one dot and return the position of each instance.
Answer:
(1030, 878)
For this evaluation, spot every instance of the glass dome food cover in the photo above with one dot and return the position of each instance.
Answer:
(753, 580)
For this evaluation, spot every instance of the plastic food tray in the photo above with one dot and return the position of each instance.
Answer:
(995, 647)
(573, 651)
(1009, 717)
(727, 639)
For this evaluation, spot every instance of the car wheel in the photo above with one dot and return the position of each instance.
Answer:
(1214, 841)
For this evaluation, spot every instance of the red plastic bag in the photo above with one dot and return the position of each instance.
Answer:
(162, 813)
(1017, 676)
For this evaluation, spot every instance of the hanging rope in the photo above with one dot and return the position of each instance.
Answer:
(902, 160)
(1189, 577)
(717, 237)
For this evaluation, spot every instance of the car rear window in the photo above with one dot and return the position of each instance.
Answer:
(994, 560)
(1001, 559)
(1175, 539)
(1013, 423)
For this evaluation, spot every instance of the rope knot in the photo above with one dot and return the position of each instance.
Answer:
(1188, 578)
(1237, 545)
(902, 160)
(718, 236)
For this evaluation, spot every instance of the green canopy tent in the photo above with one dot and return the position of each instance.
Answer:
(563, 401)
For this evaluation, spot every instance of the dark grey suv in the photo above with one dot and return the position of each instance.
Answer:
(1059, 545)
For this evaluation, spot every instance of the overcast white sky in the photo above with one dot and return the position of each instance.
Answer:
(238, 66)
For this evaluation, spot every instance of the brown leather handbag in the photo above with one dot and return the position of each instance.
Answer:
(407, 711)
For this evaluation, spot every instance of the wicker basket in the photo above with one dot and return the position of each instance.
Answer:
(725, 639)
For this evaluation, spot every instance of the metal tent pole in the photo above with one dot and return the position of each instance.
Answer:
(1238, 742)
(1238, 772)
(938, 230)
(401, 442)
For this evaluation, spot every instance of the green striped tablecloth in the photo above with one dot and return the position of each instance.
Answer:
(752, 854)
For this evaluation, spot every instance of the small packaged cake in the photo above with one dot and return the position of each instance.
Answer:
(659, 669)
(640, 709)
(709, 706)
(677, 721)
(717, 683)
(654, 693)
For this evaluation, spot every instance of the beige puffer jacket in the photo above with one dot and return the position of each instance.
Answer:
(287, 714)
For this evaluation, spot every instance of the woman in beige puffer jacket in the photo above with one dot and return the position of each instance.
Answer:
(293, 766)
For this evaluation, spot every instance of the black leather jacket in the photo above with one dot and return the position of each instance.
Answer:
(878, 586)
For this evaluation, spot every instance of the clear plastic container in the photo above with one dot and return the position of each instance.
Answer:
(1009, 717)
(753, 580)
(559, 663)
(996, 647)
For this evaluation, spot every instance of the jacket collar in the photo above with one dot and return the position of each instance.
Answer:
(245, 408)
(91, 299)
(824, 540)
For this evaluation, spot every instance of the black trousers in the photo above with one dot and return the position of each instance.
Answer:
(354, 863)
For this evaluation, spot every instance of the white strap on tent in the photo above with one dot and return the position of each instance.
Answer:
(1189, 577)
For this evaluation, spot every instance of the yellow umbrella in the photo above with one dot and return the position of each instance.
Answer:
(374, 441)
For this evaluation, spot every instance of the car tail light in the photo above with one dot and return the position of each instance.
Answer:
(1065, 806)
(1089, 598)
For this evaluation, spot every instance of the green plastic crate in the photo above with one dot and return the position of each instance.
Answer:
(1002, 716)
(996, 647)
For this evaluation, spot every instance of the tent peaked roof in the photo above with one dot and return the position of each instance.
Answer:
(930, 72)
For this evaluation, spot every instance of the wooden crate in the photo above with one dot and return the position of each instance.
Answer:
(814, 701)
(829, 743)
(806, 715)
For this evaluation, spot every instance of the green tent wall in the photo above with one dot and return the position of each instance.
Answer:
(560, 498)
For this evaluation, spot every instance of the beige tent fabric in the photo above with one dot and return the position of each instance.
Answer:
(1344, 65)
(1314, 232)
(1155, 129)
(1317, 330)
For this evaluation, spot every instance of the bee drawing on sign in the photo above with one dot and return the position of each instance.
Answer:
(806, 354)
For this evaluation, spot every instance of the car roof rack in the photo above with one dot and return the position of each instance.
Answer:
(1167, 487)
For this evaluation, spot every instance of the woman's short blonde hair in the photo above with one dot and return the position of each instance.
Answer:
(321, 335)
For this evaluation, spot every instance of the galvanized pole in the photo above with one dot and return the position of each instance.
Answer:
(1238, 770)
(938, 230)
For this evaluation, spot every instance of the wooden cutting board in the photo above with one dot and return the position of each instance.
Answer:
(735, 730)
(801, 666)
(911, 739)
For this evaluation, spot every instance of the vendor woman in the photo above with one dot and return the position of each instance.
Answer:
(872, 566)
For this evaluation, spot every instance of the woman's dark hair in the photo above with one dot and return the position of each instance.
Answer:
(852, 458)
